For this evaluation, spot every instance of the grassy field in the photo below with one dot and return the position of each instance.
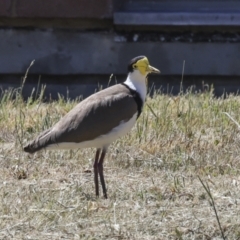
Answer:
(153, 174)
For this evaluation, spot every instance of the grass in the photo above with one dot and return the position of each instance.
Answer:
(152, 174)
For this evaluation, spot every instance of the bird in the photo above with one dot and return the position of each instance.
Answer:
(100, 119)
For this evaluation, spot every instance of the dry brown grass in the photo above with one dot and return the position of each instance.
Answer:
(151, 174)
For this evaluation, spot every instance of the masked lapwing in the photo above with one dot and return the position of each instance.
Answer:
(100, 119)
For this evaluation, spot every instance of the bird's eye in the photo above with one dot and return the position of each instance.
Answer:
(134, 66)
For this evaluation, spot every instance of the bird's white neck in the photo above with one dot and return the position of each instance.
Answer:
(136, 81)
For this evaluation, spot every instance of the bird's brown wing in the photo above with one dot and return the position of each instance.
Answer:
(97, 115)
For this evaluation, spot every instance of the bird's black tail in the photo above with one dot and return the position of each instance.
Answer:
(42, 141)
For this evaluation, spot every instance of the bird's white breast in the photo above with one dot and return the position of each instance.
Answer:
(136, 81)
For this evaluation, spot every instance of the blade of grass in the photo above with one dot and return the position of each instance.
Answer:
(208, 191)
(181, 84)
(155, 115)
(232, 119)
(25, 76)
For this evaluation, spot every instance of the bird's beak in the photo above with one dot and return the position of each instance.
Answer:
(152, 69)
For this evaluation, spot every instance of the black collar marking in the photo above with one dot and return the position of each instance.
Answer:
(136, 97)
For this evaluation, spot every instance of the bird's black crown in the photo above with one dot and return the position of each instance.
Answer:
(134, 60)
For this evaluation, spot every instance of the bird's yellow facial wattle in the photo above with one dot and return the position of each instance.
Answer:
(144, 67)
